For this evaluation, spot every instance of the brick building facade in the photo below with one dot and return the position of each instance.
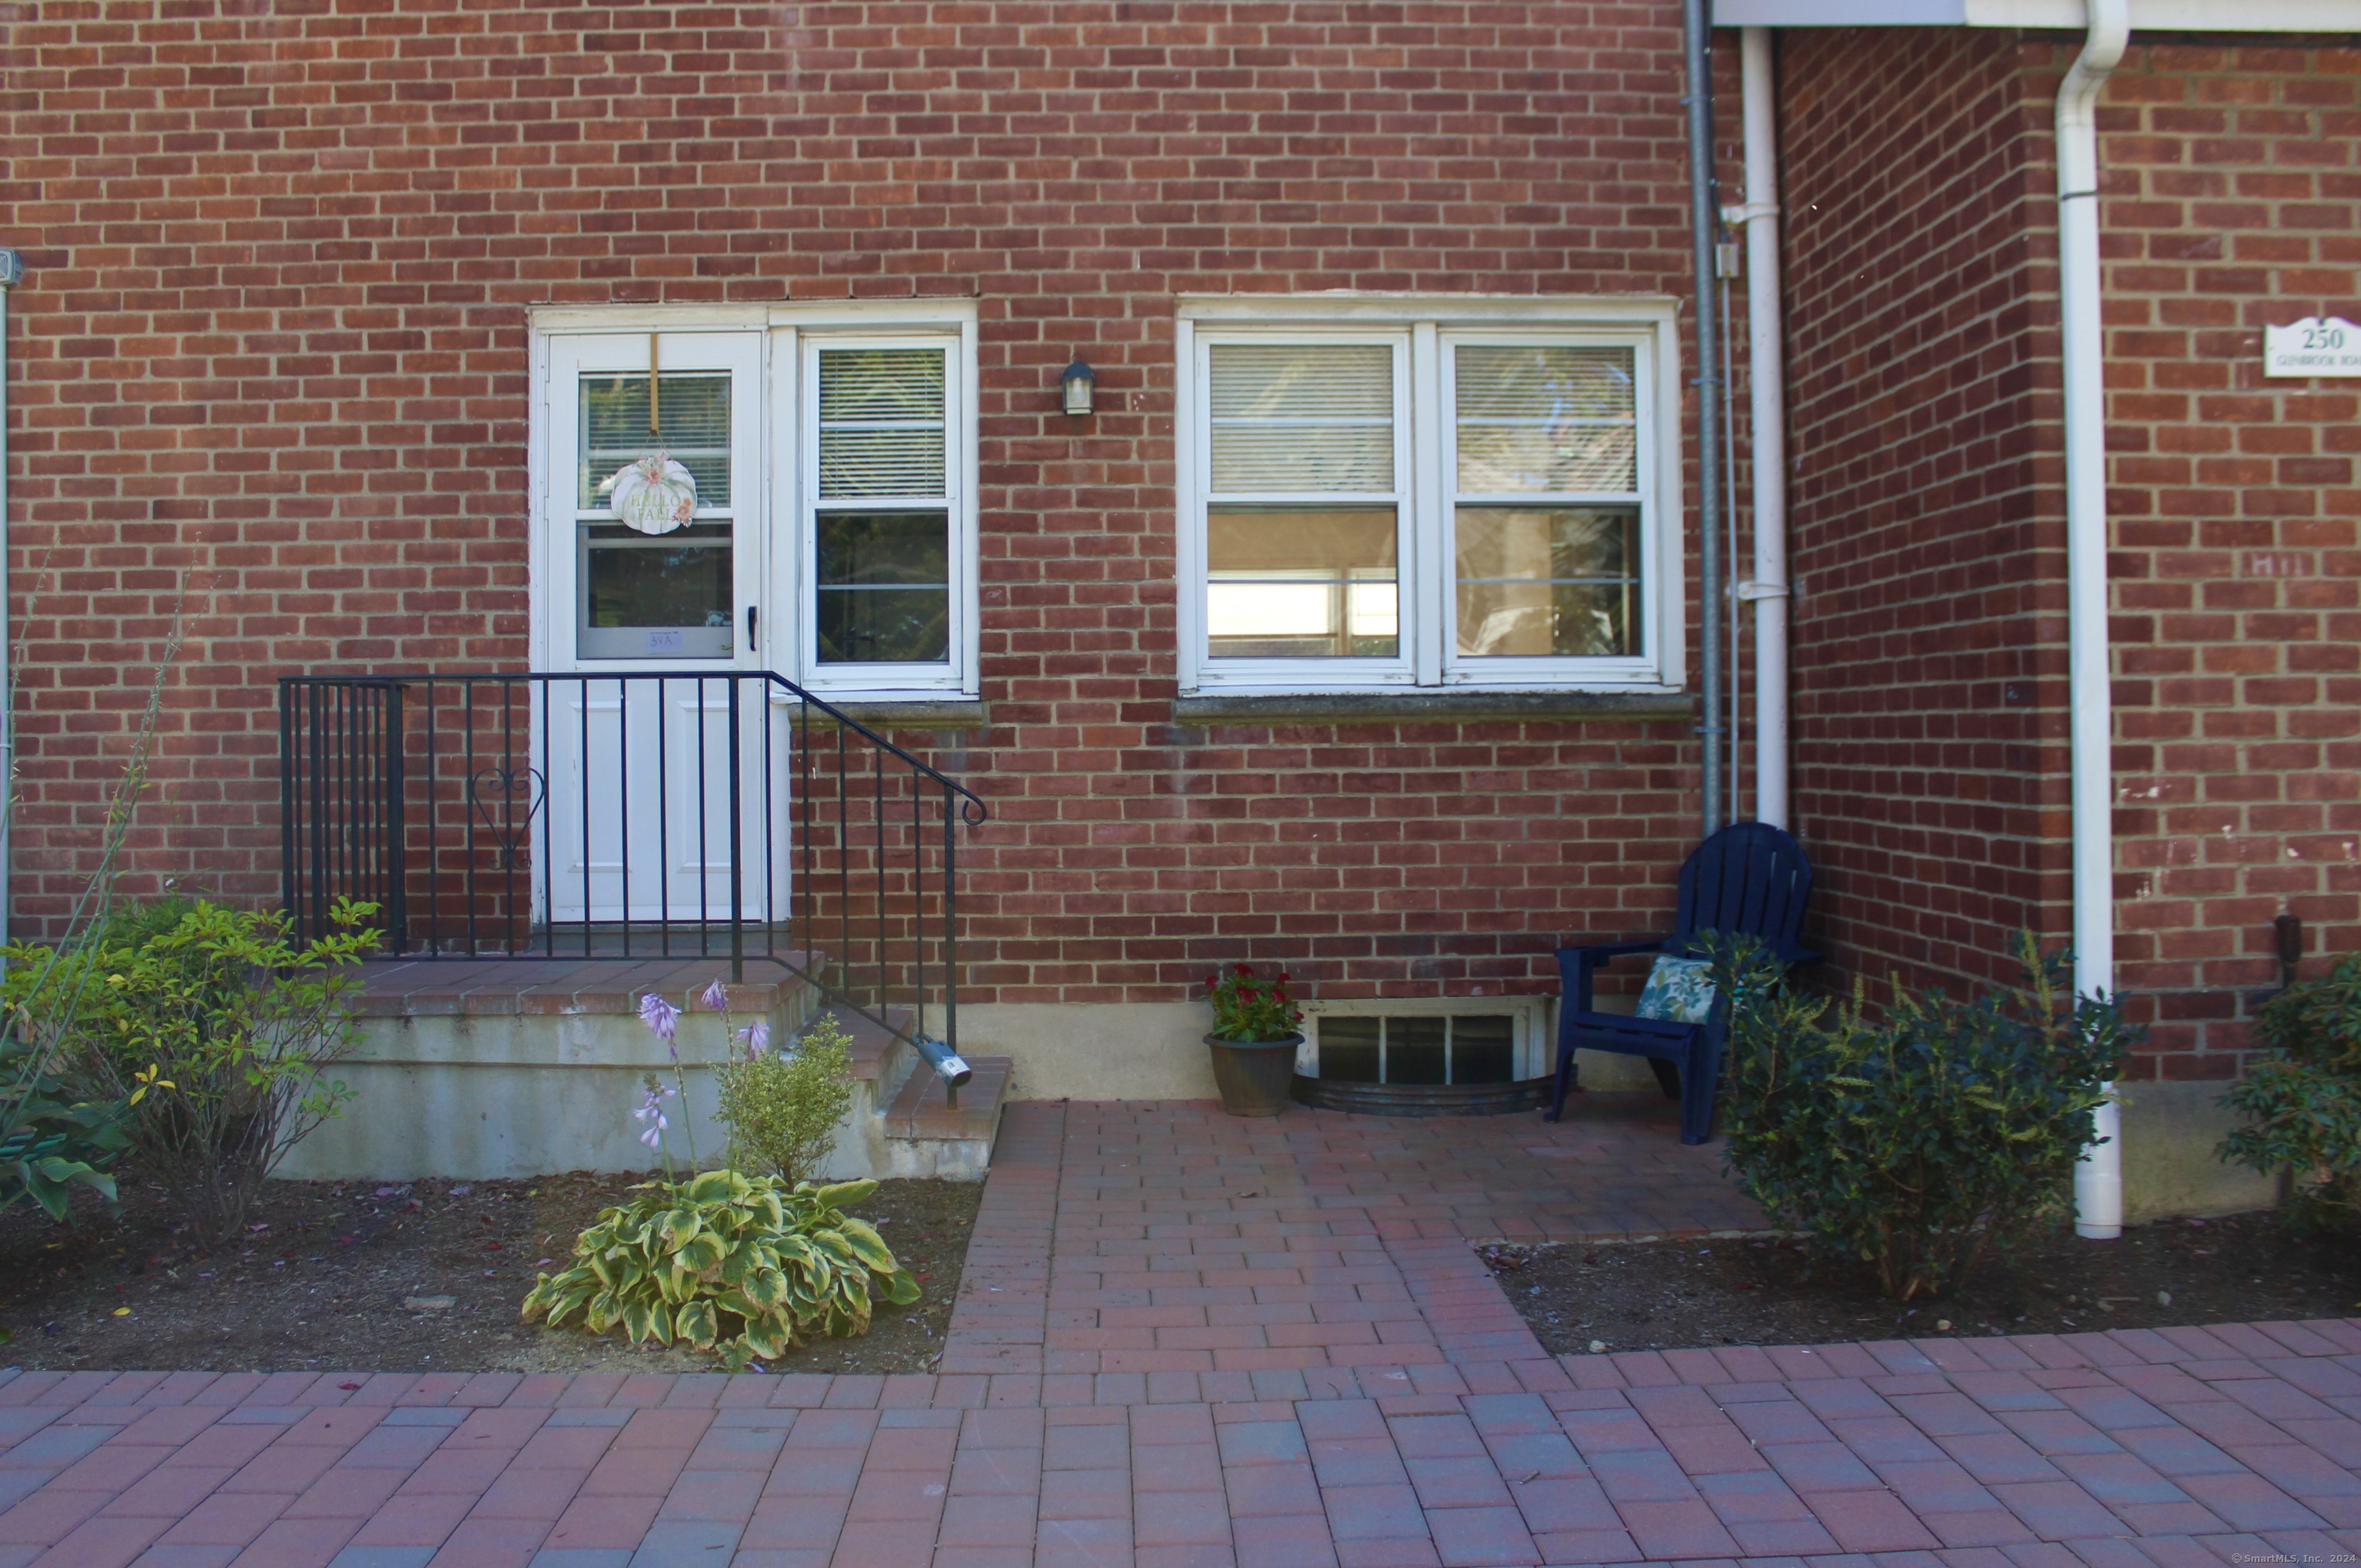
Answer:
(273, 377)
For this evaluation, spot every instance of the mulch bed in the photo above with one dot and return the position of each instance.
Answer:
(410, 1276)
(1669, 1294)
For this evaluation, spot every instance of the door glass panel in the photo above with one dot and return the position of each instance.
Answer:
(1539, 582)
(884, 587)
(655, 597)
(1302, 582)
(692, 423)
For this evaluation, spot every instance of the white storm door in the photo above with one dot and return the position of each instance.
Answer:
(655, 817)
(653, 813)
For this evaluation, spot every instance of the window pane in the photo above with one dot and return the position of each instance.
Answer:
(1415, 1050)
(1302, 584)
(692, 425)
(881, 421)
(884, 587)
(1301, 419)
(884, 547)
(1547, 582)
(1541, 421)
(1348, 1049)
(1483, 1048)
(644, 597)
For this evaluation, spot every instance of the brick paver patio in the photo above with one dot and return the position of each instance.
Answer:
(1185, 1339)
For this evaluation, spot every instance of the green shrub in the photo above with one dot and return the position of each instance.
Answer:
(50, 1142)
(1922, 1141)
(745, 1267)
(2303, 1104)
(213, 1029)
(783, 1107)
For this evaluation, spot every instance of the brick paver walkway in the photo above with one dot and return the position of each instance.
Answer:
(1318, 1372)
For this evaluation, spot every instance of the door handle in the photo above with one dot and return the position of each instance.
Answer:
(752, 610)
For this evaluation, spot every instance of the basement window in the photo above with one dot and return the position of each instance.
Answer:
(1444, 1040)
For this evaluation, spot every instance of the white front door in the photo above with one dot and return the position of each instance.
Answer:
(652, 814)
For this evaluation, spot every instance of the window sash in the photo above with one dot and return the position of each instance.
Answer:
(1596, 409)
(820, 421)
(1362, 405)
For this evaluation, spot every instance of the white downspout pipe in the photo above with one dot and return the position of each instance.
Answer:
(2099, 1178)
(12, 270)
(1767, 385)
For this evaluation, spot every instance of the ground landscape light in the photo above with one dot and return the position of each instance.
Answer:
(1076, 385)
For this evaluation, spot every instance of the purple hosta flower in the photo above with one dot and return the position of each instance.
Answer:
(661, 1016)
(757, 1035)
(650, 1114)
(715, 997)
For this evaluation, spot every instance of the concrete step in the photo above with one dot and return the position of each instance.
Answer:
(923, 1108)
(876, 1055)
(902, 1122)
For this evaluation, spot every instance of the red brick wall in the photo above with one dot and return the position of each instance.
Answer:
(1930, 751)
(1923, 314)
(270, 370)
(2231, 201)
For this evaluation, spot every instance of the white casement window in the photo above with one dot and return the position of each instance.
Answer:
(833, 535)
(1406, 493)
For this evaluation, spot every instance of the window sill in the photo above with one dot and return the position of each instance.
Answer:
(915, 713)
(1455, 704)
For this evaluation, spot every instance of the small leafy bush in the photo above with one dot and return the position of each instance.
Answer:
(50, 1142)
(783, 1107)
(1248, 1007)
(745, 1267)
(1923, 1141)
(214, 1028)
(2303, 1104)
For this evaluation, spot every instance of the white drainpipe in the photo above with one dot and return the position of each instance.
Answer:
(1767, 383)
(2099, 1178)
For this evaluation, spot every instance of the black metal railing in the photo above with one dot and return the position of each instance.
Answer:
(629, 815)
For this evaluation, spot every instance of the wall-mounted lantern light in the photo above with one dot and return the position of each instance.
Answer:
(1076, 386)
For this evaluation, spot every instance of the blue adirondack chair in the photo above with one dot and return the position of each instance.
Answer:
(1747, 878)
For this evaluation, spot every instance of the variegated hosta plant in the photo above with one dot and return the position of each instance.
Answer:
(743, 1266)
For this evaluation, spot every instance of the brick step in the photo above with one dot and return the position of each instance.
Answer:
(529, 987)
(921, 1109)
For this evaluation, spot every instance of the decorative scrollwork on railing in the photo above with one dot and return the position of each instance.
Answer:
(504, 787)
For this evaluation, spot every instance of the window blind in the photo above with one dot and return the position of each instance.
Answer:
(693, 420)
(1535, 420)
(1301, 419)
(882, 422)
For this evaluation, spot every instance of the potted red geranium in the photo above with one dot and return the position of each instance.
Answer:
(1254, 1040)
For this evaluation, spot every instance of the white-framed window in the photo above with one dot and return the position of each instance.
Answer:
(1396, 492)
(834, 451)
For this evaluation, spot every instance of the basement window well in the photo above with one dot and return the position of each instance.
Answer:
(1434, 1056)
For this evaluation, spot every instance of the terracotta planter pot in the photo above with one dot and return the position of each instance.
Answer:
(1254, 1075)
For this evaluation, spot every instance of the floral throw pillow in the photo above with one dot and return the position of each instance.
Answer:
(1679, 991)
